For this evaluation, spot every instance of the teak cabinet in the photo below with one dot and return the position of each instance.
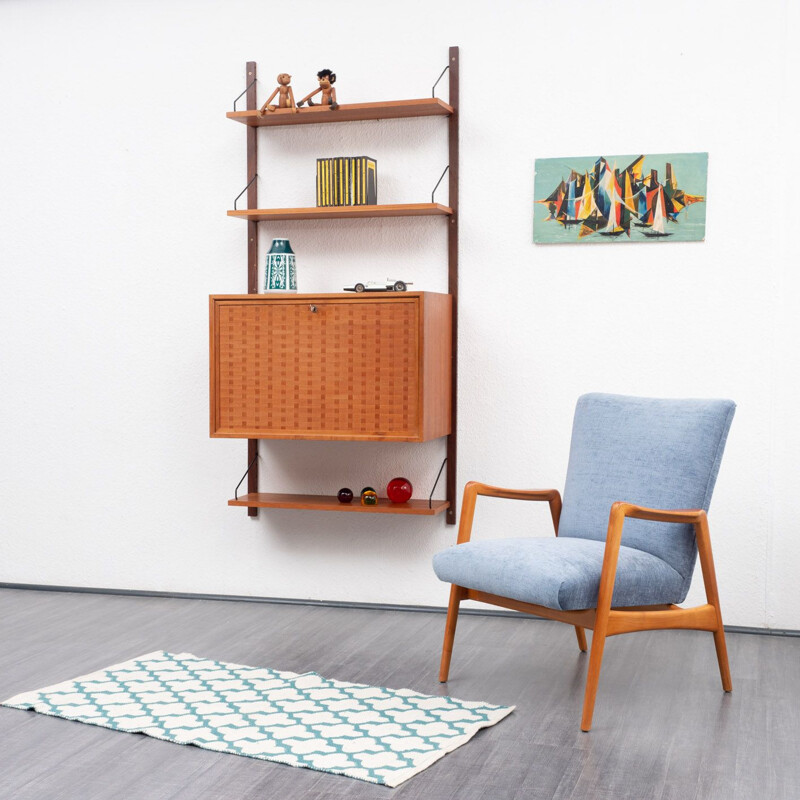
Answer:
(337, 367)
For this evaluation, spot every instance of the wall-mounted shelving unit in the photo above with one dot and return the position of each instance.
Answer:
(438, 371)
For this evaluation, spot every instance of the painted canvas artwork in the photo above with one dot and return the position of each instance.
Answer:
(644, 198)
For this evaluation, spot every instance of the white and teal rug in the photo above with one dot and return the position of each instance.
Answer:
(379, 735)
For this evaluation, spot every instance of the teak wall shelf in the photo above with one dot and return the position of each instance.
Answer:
(313, 502)
(431, 372)
(344, 212)
(354, 112)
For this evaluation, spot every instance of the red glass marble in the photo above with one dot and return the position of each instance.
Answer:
(399, 490)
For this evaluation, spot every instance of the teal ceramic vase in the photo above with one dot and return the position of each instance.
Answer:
(281, 271)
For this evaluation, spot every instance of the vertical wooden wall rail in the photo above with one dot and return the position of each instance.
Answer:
(452, 275)
(252, 250)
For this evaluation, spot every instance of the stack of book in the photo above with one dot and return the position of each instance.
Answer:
(347, 181)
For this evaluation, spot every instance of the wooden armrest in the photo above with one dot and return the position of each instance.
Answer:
(511, 494)
(474, 488)
(619, 511)
(691, 516)
(616, 519)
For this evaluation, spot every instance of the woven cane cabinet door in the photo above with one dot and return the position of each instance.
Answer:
(373, 368)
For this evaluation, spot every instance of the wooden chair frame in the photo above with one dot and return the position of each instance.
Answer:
(604, 620)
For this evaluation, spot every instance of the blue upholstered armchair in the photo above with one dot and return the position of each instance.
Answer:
(639, 483)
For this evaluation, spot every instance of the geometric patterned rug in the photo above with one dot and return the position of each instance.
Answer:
(378, 735)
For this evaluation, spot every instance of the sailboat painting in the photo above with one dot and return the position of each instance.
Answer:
(644, 198)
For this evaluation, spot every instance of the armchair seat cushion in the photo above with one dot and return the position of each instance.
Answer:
(560, 573)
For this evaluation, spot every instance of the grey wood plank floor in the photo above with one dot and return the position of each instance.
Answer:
(663, 727)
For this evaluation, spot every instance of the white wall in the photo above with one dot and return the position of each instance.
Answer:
(117, 165)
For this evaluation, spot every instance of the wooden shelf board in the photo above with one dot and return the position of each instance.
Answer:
(343, 212)
(312, 502)
(352, 112)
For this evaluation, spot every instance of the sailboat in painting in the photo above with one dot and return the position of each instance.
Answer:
(614, 218)
(610, 202)
(657, 226)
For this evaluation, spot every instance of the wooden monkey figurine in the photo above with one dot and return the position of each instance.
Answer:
(326, 80)
(286, 99)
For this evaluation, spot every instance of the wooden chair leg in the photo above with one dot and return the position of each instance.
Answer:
(581, 634)
(456, 595)
(722, 658)
(712, 595)
(593, 677)
(604, 594)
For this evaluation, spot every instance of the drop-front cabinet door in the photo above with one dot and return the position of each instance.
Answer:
(331, 366)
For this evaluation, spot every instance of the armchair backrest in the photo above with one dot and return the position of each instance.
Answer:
(650, 452)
